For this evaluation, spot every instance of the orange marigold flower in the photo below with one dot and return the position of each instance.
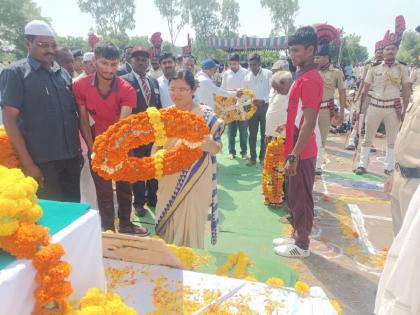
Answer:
(48, 256)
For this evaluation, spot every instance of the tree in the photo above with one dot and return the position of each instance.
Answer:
(283, 14)
(176, 14)
(229, 19)
(112, 18)
(410, 48)
(352, 51)
(72, 43)
(14, 15)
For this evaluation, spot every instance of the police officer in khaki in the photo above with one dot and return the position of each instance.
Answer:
(360, 119)
(387, 80)
(333, 79)
(415, 75)
(406, 178)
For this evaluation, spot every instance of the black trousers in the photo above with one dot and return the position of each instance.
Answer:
(61, 180)
(144, 191)
(257, 120)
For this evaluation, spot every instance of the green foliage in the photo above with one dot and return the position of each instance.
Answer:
(14, 15)
(112, 18)
(229, 19)
(410, 48)
(72, 43)
(283, 15)
(352, 51)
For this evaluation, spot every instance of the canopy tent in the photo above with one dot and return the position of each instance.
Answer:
(247, 43)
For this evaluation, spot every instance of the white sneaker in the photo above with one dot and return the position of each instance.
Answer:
(291, 250)
(283, 241)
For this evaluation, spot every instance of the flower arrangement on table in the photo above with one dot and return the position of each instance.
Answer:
(111, 149)
(234, 108)
(21, 237)
(8, 156)
(273, 172)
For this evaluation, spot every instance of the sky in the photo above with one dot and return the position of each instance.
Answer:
(368, 18)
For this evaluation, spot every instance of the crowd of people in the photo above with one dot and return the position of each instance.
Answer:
(56, 101)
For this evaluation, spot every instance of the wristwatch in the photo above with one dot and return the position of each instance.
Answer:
(292, 158)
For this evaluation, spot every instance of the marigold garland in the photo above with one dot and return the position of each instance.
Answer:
(238, 263)
(301, 287)
(111, 158)
(273, 172)
(233, 109)
(337, 307)
(187, 257)
(275, 282)
(8, 156)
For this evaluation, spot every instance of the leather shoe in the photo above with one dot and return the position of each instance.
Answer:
(140, 211)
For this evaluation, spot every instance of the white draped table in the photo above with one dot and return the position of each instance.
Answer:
(82, 242)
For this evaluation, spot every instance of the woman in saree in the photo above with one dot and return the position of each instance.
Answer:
(186, 200)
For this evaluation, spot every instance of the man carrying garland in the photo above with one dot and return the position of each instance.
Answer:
(387, 79)
(107, 98)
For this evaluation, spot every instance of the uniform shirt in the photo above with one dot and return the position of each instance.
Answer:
(260, 84)
(234, 80)
(306, 92)
(276, 113)
(105, 111)
(415, 78)
(164, 92)
(407, 148)
(48, 116)
(386, 81)
(207, 89)
(333, 79)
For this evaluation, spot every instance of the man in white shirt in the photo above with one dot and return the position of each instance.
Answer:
(277, 107)
(233, 79)
(259, 81)
(167, 63)
(155, 71)
(206, 86)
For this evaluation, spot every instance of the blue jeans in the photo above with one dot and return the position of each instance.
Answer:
(243, 136)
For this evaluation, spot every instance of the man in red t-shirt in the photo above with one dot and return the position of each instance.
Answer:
(300, 148)
(107, 99)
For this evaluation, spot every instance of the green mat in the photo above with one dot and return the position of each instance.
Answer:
(56, 216)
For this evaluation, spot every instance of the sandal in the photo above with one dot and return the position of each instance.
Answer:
(133, 229)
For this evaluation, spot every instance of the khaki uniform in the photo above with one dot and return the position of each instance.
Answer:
(407, 148)
(386, 83)
(415, 78)
(333, 79)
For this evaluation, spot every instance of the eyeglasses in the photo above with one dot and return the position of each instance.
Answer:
(45, 45)
(180, 90)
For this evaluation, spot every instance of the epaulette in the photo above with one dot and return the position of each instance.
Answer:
(403, 63)
(377, 63)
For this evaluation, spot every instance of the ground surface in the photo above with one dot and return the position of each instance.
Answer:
(352, 230)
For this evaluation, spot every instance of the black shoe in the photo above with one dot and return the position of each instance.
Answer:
(360, 171)
(152, 203)
(388, 172)
(251, 163)
(372, 149)
(140, 211)
(318, 172)
(351, 147)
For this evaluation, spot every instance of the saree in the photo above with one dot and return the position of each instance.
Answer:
(186, 200)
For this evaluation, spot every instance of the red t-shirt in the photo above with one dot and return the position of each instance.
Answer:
(105, 111)
(306, 92)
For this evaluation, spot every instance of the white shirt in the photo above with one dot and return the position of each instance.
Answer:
(155, 74)
(164, 92)
(260, 84)
(276, 113)
(207, 89)
(234, 80)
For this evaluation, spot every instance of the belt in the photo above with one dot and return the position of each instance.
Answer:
(383, 103)
(327, 104)
(408, 172)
